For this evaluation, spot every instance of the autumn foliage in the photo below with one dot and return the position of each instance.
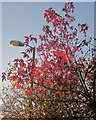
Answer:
(61, 83)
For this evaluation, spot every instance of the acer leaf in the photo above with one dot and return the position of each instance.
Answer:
(35, 39)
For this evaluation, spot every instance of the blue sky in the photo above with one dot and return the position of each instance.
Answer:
(24, 18)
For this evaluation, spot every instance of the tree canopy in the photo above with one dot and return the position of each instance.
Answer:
(60, 79)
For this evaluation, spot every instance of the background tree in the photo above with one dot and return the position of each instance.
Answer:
(64, 73)
(16, 104)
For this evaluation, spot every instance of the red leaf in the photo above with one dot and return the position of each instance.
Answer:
(75, 49)
(20, 72)
(60, 93)
(65, 58)
(29, 50)
(26, 37)
(30, 35)
(19, 87)
(5, 117)
(25, 54)
(28, 92)
(9, 73)
(16, 60)
(35, 39)
(16, 64)
(3, 77)
(28, 81)
(22, 64)
(68, 49)
(26, 42)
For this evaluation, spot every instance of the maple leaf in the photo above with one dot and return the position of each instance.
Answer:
(9, 73)
(60, 93)
(68, 49)
(16, 60)
(75, 49)
(26, 40)
(64, 58)
(3, 76)
(19, 87)
(28, 92)
(25, 54)
(20, 72)
(22, 64)
(26, 37)
(35, 39)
